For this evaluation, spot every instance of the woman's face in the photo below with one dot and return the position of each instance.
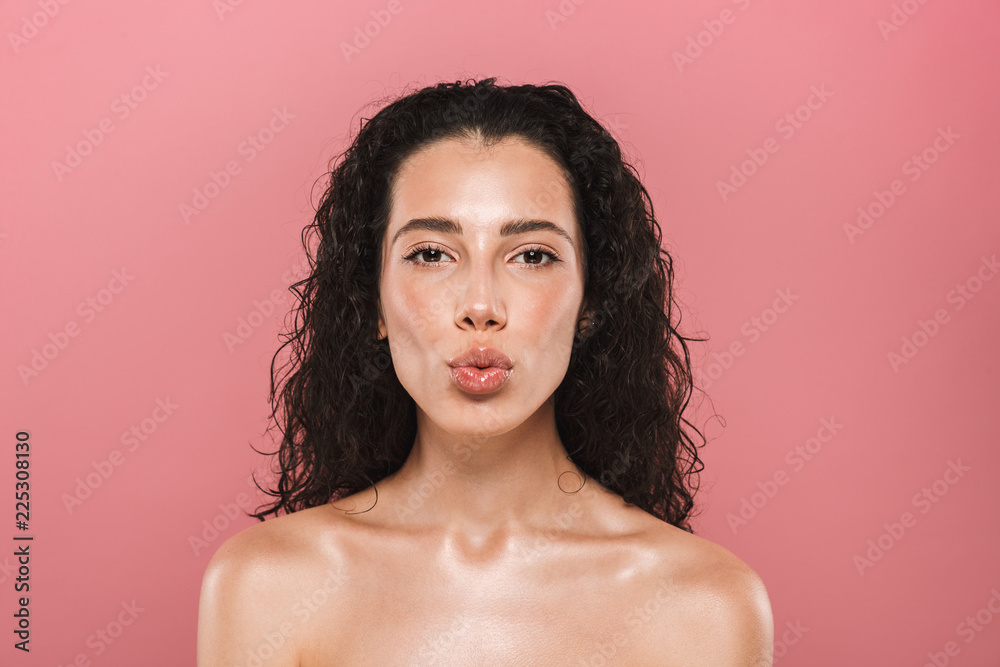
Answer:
(447, 288)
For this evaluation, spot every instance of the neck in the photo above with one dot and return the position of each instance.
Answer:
(484, 484)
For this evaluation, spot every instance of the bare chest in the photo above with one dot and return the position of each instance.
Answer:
(414, 614)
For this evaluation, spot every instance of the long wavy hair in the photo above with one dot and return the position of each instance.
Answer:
(347, 422)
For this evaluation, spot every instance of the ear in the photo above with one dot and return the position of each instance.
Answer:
(382, 330)
(585, 316)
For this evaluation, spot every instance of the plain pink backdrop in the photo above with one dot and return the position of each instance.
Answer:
(692, 93)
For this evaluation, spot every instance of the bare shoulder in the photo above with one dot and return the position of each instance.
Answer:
(262, 587)
(723, 612)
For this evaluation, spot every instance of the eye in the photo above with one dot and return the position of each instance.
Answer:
(432, 252)
(534, 257)
(432, 255)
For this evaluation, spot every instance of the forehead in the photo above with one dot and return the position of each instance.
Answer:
(463, 180)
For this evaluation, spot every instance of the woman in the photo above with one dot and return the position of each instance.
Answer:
(484, 459)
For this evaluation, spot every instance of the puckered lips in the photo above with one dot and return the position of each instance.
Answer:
(480, 370)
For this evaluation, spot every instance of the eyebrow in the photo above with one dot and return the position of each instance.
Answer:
(511, 228)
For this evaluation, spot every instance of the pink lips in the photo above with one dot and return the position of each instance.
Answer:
(480, 370)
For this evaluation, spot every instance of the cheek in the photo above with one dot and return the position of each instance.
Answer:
(549, 317)
(412, 310)
(413, 314)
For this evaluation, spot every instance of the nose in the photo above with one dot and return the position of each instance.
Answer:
(480, 305)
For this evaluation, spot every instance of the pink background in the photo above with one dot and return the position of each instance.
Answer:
(162, 335)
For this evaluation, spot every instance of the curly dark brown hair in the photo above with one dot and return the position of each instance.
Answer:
(346, 420)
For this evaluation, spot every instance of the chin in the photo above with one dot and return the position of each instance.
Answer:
(476, 416)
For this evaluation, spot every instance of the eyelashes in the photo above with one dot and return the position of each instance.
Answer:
(419, 250)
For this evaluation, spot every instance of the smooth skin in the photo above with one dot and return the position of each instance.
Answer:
(486, 547)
